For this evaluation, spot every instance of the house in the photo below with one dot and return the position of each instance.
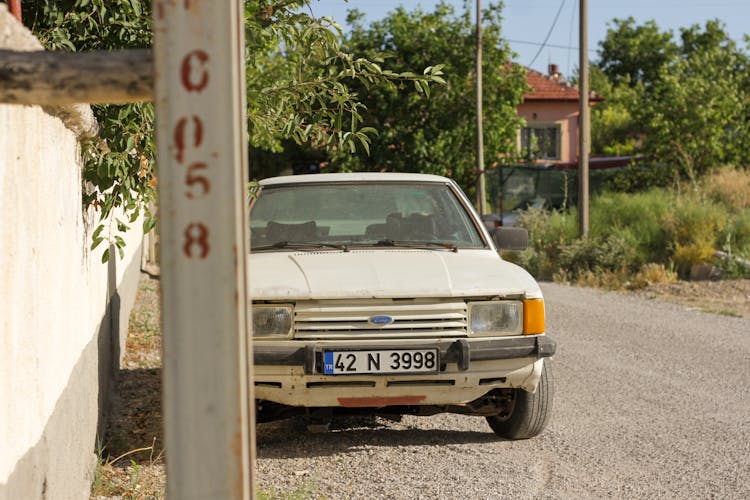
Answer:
(548, 143)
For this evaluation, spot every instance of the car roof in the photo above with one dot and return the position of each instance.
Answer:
(349, 177)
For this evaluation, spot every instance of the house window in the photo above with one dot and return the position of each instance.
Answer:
(541, 142)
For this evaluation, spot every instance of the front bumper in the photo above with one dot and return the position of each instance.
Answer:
(459, 351)
(291, 372)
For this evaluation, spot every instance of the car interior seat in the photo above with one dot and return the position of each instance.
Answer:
(299, 233)
(390, 230)
(418, 227)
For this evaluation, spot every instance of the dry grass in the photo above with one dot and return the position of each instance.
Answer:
(607, 280)
(730, 187)
(651, 274)
(648, 275)
(143, 349)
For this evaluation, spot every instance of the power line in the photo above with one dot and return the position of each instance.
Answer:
(544, 43)
(526, 42)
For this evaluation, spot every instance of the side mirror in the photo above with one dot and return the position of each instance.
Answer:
(511, 238)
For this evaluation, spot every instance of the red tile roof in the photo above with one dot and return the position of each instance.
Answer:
(545, 88)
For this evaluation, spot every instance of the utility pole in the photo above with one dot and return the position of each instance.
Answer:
(202, 151)
(584, 132)
(481, 189)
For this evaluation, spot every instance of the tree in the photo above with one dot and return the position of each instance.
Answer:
(687, 103)
(612, 123)
(630, 54)
(299, 88)
(436, 135)
(696, 117)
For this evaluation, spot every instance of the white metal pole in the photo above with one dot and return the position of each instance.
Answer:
(199, 88)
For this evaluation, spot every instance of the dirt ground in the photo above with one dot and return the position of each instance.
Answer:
(131, 462)
(728, 297)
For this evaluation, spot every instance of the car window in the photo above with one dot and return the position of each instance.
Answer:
(361, 213)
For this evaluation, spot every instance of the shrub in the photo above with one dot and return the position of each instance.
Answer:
(640, 177)
(611, 253)
(685, 257)
(735, 243)
(637, 218)
(642, 238)
(692, 228)
(735, 266)
(548, 232)
(740, 228)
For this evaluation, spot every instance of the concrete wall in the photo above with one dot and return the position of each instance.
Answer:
(63, 314)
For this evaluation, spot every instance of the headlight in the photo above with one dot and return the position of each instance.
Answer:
(496, 318)
(271, 321)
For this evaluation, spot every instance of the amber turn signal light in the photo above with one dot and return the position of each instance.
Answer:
(533, 316)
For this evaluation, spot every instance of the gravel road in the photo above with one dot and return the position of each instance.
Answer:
(652, 400)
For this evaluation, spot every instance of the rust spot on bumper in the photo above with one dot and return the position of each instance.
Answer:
(380, 401)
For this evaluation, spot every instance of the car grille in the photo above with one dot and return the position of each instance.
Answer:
(413, 318)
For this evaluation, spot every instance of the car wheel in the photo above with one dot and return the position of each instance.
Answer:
(528, 413)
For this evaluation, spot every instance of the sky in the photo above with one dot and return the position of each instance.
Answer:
(526, 23)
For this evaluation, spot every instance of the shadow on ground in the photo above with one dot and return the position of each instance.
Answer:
(135, 419)
(290, 438)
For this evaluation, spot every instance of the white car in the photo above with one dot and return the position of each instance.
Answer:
(384, 294)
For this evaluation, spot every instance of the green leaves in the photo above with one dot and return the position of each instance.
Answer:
(96, 237)
(633, 53)
(81, 25)
(137, 10)
(686, 104)
(120, 162)
(304, 86)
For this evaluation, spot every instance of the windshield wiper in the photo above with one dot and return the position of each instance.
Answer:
(416, 244)
(289, 244)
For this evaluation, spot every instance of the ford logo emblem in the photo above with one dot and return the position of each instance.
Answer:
(380, 320)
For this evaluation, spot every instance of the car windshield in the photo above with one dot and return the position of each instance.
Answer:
(361, 214)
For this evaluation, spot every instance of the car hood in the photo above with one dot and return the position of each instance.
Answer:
(392, 273)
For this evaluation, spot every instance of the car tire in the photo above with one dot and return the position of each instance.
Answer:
(529, 412)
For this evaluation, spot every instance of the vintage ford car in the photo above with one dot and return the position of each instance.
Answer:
(385, 294)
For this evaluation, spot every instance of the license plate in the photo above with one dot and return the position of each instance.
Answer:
(380, 361)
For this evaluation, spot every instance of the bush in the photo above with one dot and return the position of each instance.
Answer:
(639, 177)
(548, 232)
(637, 218)
(736, 236)
(642, 238)
(734, 266)
(692, 228)
(735, 243)
(611, 253)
